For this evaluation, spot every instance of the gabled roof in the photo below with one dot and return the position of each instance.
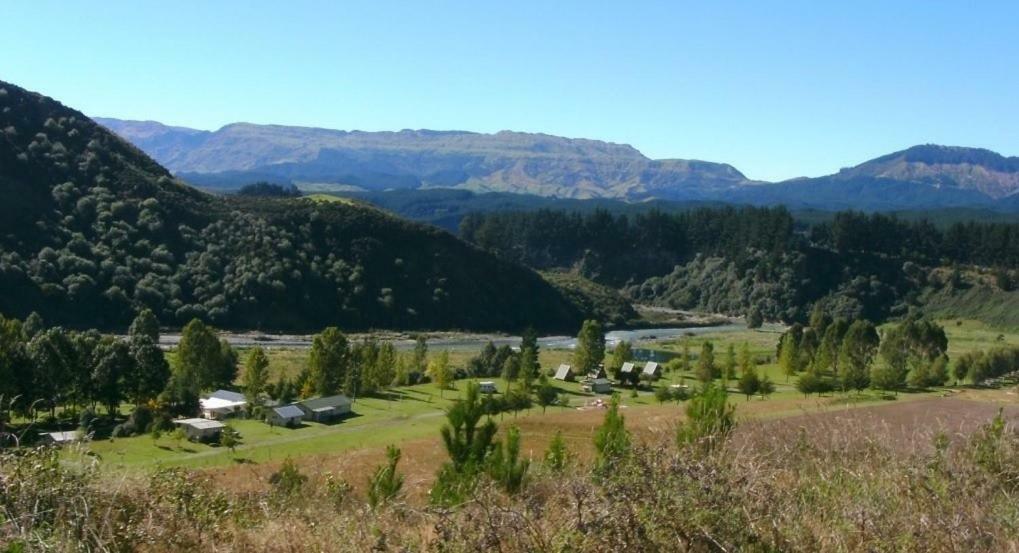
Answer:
(651, 367)
(203, 424)
(626, 368)
(227, 395)
(66, 436)
(563, 371)
(325, 403)
(288, 411)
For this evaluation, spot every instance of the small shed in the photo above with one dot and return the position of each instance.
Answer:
(200, 430)
(652, 370)
(61, 438)
(487, 387)
(325, 408)
(599, 386)
(221, 404)
(627, 368)
(599, 372)
(564, 373)
(285, 415)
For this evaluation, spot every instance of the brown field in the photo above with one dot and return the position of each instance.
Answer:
(909, 422)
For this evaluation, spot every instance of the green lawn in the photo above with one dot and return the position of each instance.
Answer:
(417, 411)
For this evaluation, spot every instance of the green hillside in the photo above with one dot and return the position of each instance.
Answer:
(92, 229)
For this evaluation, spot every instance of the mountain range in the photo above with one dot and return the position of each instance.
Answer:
(921, 177)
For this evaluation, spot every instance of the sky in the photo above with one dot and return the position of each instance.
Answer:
(777, 89)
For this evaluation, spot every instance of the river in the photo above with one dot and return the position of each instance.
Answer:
(473, 342)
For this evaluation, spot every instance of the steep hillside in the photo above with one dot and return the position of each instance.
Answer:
(91, 229)
(506, 161)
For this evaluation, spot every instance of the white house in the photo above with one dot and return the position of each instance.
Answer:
(285, 415)
(201, 430)
(222, 403)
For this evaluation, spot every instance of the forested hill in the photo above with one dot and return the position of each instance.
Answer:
(91, 229)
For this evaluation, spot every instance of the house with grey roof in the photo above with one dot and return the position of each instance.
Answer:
(200, 430)
(598, 386)
(325, 408)
(285, 415)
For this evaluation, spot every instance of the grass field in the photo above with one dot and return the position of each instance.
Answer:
(411, 416)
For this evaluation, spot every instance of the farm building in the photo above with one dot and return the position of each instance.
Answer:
(564, 373)
(60, 438)
(285, 415)
(599, 386)
(487, 387)
(221, 403)
(652, 370)
(201, 430)
(325, 408)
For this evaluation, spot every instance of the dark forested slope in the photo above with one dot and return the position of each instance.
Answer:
(91, 229)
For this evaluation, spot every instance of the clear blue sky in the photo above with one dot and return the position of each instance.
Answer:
(778, 89)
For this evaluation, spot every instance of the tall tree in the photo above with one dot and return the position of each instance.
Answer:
(146, 325)
(729, 365)
(789, 355)
(529, 368)
(440, 372)
(256, 375)
(859, 346)
(199, 357)
(149, 374)
(706, 369)
(749, 383)
(590, 350)
(112, 362)
(328, 362)
(420, 359)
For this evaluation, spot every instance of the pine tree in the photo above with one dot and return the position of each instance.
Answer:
(557, 457)
(789, 356)
(729, 365)
(612, 440)
(385, 484)
(749, 382)
(468, 446)
(706, 363)
(709, 419)
(505, 466)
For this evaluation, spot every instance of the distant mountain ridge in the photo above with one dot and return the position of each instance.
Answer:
(920, 177)
(506, 161)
